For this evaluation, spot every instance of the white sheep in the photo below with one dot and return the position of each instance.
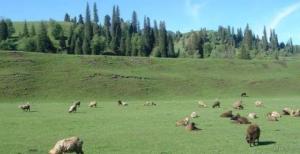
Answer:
(69, 145)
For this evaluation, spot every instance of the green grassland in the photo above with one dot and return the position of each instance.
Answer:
(50, 82)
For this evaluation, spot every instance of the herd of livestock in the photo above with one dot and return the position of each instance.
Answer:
(74, 144)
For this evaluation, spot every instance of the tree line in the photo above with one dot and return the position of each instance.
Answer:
(86, 35)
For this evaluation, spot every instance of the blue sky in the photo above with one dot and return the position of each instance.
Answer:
(183, 15)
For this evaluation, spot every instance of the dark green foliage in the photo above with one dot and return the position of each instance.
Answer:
(10, 27)
(32, 31)
(80, 19)
(98, 44)
(163, 40)
(25, 30)
(3, 30)
(27, 44)
(44, 43)
(78, 46)
(265, 43)
(67, 18)
(244, 53)
(8, 44)
(134, 22)
(116, 30)
(95, 10)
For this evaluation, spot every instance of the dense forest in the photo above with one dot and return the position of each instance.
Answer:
(115, 36)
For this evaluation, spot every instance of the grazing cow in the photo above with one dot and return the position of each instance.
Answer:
(194, 115)
(227, 114)
(243, 94)
(202, 104)
(183, 122)
(258, 104)
(25, 107)
(238, 105)
(217, 103)
(252, 115)
(148, 103)
(191, 127)
(270, 117)
(93, 104)
(69, 145)
(253, 134)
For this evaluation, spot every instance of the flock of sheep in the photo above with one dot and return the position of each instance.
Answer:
(74, 144)
(253, 131)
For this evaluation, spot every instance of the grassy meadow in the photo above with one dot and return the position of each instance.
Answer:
(51, 82)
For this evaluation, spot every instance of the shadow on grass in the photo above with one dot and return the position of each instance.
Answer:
(265, 143)
(33, 111)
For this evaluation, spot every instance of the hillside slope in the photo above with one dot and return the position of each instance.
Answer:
(50, 77)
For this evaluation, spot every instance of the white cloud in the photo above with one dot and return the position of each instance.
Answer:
(193, 9)
(284, 13)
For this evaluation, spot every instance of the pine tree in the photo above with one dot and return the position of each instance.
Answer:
(10, 27)
(273, 40)
(248, 38)
(88, 33)
(171, 52)
(96, 17)
(148, 36)
(3, 30)
(265, 40)
(134, 22)
(44, 43)
(80, 19)
(32, 31)
(25, 30)
(67, 18)
(107, 26)
(128, 44)
(116, 29)
(163, 39)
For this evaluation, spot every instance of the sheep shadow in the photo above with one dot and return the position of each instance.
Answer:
(265, 143)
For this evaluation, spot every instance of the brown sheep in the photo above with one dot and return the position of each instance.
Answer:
(183, 122)
(238, 105)
(25, 107)
(253, 134)
(240, 120)
(227, 114)
(191, 127)
(271, 118)
(243, 94)
(69, 145)
(217, 103)
(93, 104)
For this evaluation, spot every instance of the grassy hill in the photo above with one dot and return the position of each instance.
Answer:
(34, 76)
(50, 82)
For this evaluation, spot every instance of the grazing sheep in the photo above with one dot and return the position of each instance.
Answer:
(93, 104)
(227, 114)
(238, 105)
(183, 122)
(73, 108)
(253, 134)
(69, 145)
(275, 114)
(243, 94)
(271, 118)
(235, 117)
(121, 103)
(191, 127)
(194, 115)
(258, 104)
(77, 103)
(287, 111)
(296, 113)
(252, 115)
(217, 103)
(148, 103)
(202, 104)
(25, 107)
